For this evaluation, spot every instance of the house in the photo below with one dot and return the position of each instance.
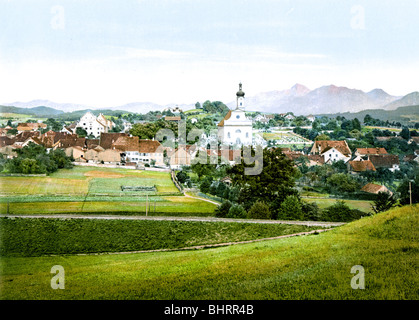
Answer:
(109, 156)
(414, 139)
(331, 151)
(151, 151)
(369, 151)
(127, 126)
(22, 139)
(311, 118)
(182, 156)
(76, 152)
(3, 131)
(386, 161)
(375, 188)
(294, 155)
(235, 128)
(175, 118)
(8, 151)
(363, 153)
(72, 142)
(95, 125)
(129, 148)
(70, 129)
(360, 166)
(315, 160)
(30, 126)
(107, 139)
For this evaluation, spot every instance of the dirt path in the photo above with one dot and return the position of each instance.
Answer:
(168, 218)
(203, 199)
(207, 246)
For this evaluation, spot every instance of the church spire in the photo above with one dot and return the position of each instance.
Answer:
(240, 98)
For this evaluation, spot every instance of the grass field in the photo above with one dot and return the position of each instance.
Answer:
(363, 205)
(37, 237)
(314, 267)
(97, 190)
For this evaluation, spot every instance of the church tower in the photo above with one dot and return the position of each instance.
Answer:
(235, 128)
(240, 98)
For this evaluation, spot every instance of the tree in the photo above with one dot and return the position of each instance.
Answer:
(222, 210)
(206, 184)
(272, 185)
(405, 133)
(237, 211)
(340, 212)
(198, 105)
(385, 201)
(259, 210)
(81, 132)
(342, 182)
(291, 209)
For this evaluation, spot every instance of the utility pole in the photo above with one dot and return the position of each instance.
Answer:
(146, 206)
(410, 191)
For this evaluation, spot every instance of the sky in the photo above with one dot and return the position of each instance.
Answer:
(106, 53)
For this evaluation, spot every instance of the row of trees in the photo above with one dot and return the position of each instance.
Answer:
(34, 159)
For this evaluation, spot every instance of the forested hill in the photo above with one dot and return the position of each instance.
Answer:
(401, 114)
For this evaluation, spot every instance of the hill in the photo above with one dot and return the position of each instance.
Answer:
(40, 111)
(408, 100)
(316, 267)
(401, 114)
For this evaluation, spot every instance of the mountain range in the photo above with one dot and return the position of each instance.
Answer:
(298, 99)
(326, 100)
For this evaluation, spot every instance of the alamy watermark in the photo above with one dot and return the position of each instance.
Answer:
(252, 156)
(57, 281)
(358, 280)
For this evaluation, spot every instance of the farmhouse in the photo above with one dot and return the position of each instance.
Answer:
(331, 151)
(151, 150)
(30, 126)
(235, 128)
(129, 148)
(369, 151)
(356, 167)
(386, 161)
(375, 188)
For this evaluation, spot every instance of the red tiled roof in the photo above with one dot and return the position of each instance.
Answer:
(126, 143)
(365, 151)
(361, 166)
(108, 138)
(384, 160)
(321, 146)
(150, 146)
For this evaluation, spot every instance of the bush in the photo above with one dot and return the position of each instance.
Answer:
(259, 210)
(291, 209)
(340, 212)
(310, 210)
(222, 210)
(237, 211)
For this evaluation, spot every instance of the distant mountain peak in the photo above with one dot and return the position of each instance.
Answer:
(299, 89)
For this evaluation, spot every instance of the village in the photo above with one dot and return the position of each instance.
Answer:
(101, 146)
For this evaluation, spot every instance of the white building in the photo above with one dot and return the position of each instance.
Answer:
(331, 150)
(95, 125)
(235, 128)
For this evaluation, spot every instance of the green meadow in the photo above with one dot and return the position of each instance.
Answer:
(97, 190)
(313, 267)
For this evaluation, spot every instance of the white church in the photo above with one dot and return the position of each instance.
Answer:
(235, 128)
